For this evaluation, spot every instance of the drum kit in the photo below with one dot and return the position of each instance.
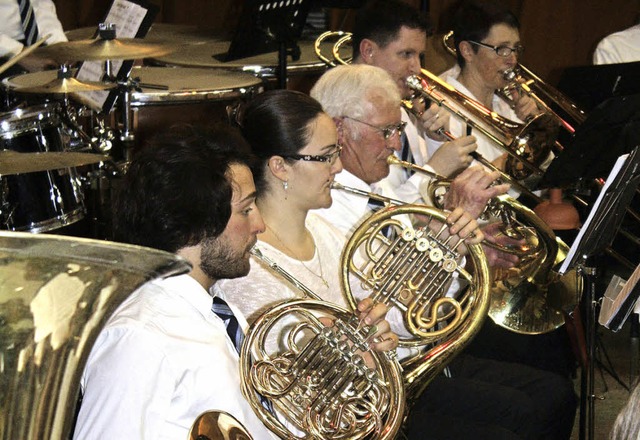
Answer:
(60, 158)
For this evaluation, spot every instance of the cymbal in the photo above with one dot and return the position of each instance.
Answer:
(66, 85)
(12, 162)
(101, 50)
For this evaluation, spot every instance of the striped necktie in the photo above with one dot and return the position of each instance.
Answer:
(221, 308)
(29, 25)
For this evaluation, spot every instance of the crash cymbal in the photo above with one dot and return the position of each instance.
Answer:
(12, 162)
(66, 85)
(101, 50)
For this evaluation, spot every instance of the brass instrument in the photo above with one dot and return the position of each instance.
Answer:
(528, 145)
(531, 298)
(218, 425)
(56, 293)
(315, 375)
(545, 96)
(526, 81)
(411, 269)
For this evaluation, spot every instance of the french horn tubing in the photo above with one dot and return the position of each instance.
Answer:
(412, 269)
(316, 377)
(531, 298)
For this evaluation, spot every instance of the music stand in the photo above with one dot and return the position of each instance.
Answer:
(611, 129)
(268, 26)
(596, 234)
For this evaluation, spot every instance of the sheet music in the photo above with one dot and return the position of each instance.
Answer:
(127, 17)
(574, 247)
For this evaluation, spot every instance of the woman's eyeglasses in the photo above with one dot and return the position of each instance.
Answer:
(329, 157)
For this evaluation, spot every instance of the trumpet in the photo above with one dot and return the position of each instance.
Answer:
(528, 145)
(524, 80)
(319, 382)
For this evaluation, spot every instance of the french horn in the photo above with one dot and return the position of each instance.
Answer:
(313, 372)
(411, 268)
(530, 298)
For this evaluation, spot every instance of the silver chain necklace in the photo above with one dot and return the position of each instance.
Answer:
(321, 276)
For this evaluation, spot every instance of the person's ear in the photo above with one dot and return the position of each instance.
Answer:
(278, 167)
(367, 50)
(466, 50)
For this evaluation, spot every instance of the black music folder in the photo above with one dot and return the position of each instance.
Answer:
(610, 130)
(590, 86)
(606, 215)
(265, 25)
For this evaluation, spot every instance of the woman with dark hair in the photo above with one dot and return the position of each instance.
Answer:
(297, 152)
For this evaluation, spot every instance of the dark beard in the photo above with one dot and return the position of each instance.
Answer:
(220, 262)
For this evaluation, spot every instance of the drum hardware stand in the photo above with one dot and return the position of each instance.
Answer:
(127, 135)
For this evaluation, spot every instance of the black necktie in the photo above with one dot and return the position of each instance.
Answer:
(221, 308)
(405, 153)
(29, 25)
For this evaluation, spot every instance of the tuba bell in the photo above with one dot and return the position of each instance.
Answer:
(56, 294)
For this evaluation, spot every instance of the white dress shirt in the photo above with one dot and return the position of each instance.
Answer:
(487, 148)
(11, 26)
(409, 187)
(619, 47)
(162, 359)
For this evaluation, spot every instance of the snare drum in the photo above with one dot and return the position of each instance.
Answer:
(40, 201)
(185, 95)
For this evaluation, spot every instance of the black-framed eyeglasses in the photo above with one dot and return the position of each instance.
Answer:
(502, 51)
(387, 131)
(329, 157)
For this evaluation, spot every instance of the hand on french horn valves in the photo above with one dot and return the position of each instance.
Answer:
(462, 224)
(373, 313)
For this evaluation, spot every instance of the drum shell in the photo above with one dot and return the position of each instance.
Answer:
(188, 95)
(39, 201)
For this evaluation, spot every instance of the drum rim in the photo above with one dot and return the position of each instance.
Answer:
(250, 86)
(13, 127)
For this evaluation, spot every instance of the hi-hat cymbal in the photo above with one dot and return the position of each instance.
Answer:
(101, 50)
(12, 162)
(66, 85)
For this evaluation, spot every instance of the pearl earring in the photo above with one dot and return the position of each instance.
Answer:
(285, 185)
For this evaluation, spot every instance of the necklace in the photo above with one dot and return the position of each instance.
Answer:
(321, 276)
